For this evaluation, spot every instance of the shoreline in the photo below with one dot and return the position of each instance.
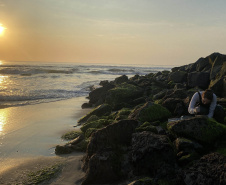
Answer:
(23, 146)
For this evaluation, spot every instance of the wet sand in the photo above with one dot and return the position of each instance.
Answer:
(28, 135)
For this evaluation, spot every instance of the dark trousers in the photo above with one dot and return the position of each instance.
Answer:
(218, 115)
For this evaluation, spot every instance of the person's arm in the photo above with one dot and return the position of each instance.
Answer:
(194, 100)
(212, 106)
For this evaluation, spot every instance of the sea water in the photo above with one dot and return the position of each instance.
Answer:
(26, 83)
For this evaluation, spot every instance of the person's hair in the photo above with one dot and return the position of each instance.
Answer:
(208, 94)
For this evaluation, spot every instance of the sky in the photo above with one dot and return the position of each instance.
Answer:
(159, 32)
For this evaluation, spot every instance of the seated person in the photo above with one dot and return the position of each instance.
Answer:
(205, 103)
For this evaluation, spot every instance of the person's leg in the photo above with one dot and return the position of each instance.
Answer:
(219, 114)
(203, 110)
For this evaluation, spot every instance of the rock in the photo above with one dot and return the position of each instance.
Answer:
(63, 149)
(97, 96)
(119, 133)
(199, 79)
(105, 83)
(138, 101)
(93, 118)
(178, 86)
(178, 93)
(147, 127)
(160, 95)
(121, 79)
(150, 112)
(86, 105)
(175, 106)
(101, 169)
(152, 155)
(123, 94)
(101, 110)
(178, 77)
(100, 123)
(187, 145)
(209, 170)
(203, 64)
(216, 86)
(216, 67)
(205, 131)
(104, 159)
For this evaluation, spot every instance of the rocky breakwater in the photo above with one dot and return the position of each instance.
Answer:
(128, 138)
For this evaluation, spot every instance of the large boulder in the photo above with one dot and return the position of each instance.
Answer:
(175, 105)
(105, 154)
(178, 76)
(97, 96)
(199, 79)
(152, 155)
(102, 168)
(209, 170)
(217, 66)
(178, 93)
(203, 64)
(119, 133)
(121, 79)
(218, 86)
(123, 94)
(150, 112)
(101, 110)
(203, 130)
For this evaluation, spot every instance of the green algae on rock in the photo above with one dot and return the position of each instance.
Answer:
(122, 94)
(71, 135)
(150, 112)
(201, 129)
(101, 110)
(146, 126)
(100, 123)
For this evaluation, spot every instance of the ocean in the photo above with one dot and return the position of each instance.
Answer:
(27, 83)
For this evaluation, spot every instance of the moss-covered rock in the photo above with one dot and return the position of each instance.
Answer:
(101, 110)
(201, 129)
(147, 127)
(89, 131)
(178, 76)
(96, 124)
(81, 146)
(71, 135)
(184, 160)
(150, 112)
(123, 93)
(93, 118)
(63, 149)
(122, 114)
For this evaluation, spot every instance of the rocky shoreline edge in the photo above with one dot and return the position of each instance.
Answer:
(139, 131)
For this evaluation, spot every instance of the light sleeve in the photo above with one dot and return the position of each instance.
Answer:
(212, 106)
(194, 100)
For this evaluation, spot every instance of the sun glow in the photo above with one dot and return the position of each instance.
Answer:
(2, 29)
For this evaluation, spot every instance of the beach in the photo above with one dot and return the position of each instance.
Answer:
(29, 136)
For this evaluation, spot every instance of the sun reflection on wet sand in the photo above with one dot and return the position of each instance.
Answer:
(3, 119)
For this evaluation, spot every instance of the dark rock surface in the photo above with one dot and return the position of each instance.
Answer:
(209, 170)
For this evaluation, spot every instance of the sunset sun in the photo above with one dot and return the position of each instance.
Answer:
(2, 29)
